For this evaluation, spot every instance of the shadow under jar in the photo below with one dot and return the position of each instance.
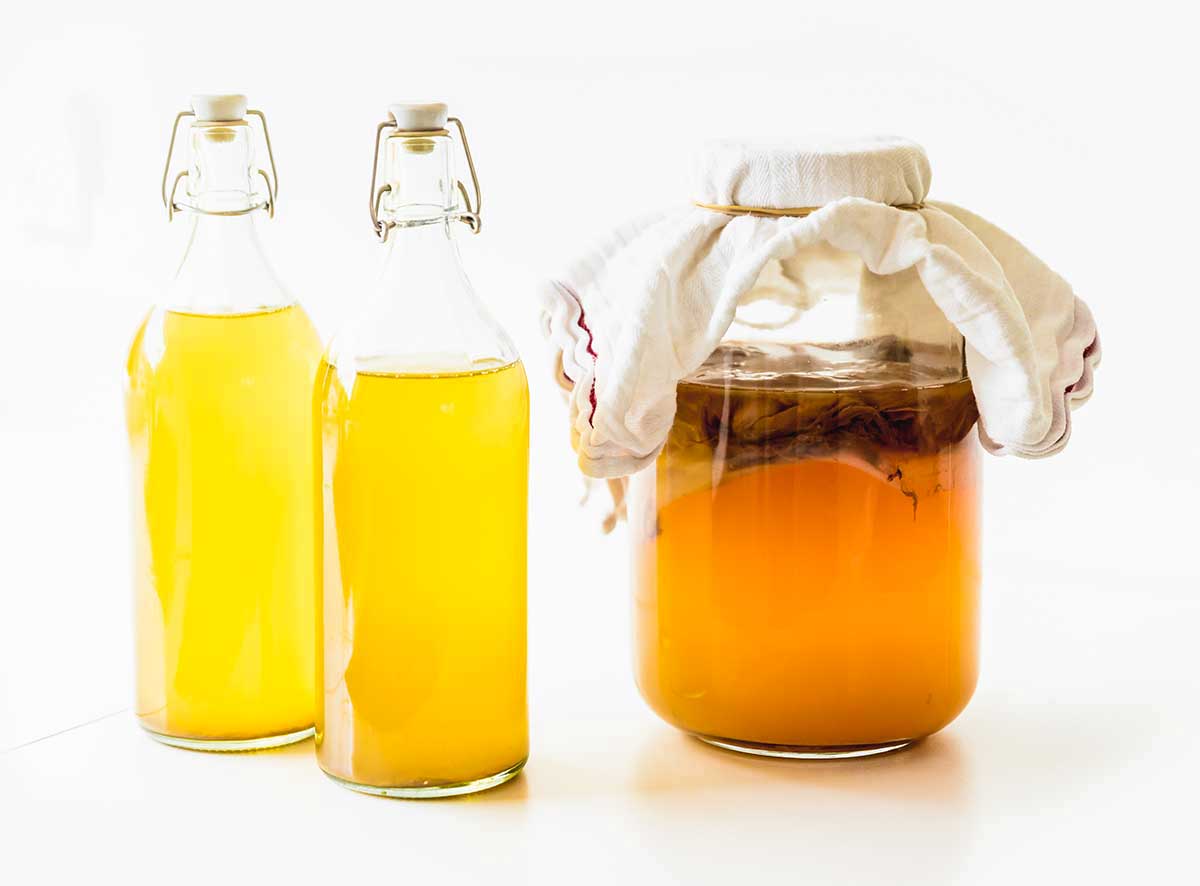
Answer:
(806, 546)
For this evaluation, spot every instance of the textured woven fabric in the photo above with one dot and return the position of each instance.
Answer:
(643, 310)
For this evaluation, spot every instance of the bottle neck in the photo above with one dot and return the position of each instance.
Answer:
(422, 259)
(222, 177)
(224, 269)
(419, 184)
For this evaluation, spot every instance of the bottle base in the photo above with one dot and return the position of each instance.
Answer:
(232, 744)
(804, 752)
(433, 791)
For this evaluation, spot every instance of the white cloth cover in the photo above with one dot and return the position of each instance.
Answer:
(643, 310)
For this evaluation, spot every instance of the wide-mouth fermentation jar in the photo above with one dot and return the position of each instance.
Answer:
(796, 375)
(807, 544)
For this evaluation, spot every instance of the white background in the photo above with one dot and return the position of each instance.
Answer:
(1073, 128)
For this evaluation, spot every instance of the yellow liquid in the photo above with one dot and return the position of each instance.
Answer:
(219, 412)
(424, 485)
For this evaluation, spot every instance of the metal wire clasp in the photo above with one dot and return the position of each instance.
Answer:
(272, 181)
(470, 211)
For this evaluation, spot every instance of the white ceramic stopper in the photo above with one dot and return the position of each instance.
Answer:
(418, 116)
(224, 108)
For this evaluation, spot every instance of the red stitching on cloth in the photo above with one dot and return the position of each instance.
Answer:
(582, 323)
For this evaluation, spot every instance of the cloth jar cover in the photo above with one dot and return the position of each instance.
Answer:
(643, 310)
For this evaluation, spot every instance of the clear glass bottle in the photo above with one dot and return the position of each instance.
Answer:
(423, 421)
(806, 547)
(219, 410)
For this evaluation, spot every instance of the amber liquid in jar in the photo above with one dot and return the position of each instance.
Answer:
(807, 555)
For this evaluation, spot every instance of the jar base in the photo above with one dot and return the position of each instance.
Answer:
(804, 752)
(222, 745)
(433, 791)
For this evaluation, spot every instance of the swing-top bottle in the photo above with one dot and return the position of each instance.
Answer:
(218, 406)
(423, 414)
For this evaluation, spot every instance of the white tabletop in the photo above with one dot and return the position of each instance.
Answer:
(1065, 766)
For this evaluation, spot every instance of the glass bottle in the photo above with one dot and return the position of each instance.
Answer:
(423, 416)
(806, 546)
(219, 411)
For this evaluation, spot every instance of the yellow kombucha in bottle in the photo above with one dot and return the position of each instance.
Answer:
(424, 573)
(219, 417)
(219, 427)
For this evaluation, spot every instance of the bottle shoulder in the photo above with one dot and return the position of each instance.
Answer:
(225, 269)
(398, 341)
(423, 311)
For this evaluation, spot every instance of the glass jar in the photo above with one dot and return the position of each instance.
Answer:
(806, 545)
(218, 409)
